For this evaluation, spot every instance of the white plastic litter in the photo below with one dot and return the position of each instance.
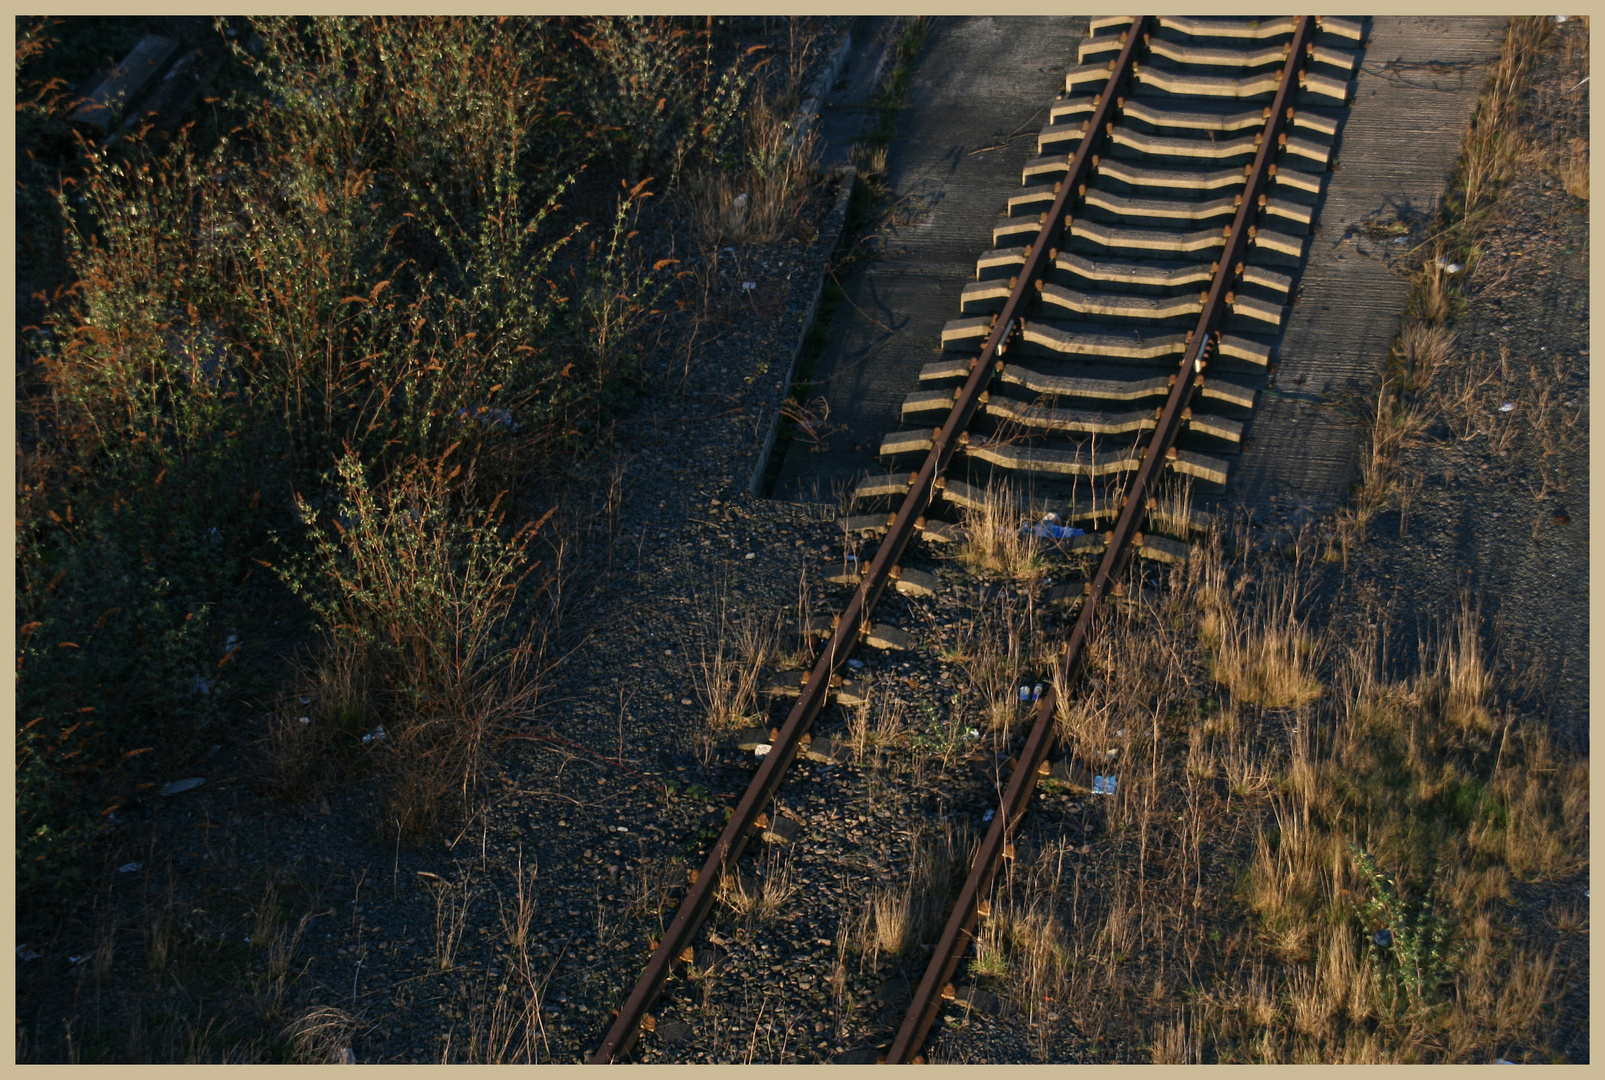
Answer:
(130, 867)
(1507, 406)
(180, 786)
(25, 953)
(761, 749)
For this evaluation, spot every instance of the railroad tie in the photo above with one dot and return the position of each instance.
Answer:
(911, 582)
(886, 636)
(893, 484)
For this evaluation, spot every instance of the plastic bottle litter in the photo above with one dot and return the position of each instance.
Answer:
(1050, 529)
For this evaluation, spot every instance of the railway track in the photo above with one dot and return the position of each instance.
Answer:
(1107, 357)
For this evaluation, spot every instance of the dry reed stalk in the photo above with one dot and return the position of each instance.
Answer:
(997, 540)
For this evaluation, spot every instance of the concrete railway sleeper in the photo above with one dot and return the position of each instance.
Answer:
(1161, 227)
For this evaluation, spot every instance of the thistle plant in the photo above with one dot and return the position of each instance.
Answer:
(1408, 941)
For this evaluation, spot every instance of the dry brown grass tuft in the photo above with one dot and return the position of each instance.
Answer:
(322, 1035)
(1423, 350)
(1573, 168)
(730, 663)
(1431, 300)
(1264, 653)
(759, 899)
(452, 906)
(1177, 1042)
(1495, 149)
(995, 542)
(893, 920)
(762, 202)
(1463, 673)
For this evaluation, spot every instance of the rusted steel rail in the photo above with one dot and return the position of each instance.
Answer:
(853, 622)
(958, 935)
